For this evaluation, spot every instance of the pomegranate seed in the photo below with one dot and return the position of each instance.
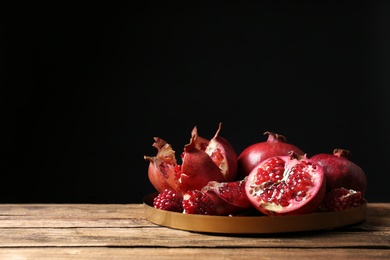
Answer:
(217, 157)
(234, 191)
(342, 199)
(198, 202)
(168, 200)
(287, 184)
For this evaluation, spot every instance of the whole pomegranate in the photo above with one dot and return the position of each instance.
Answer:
(203, 160)
(275, 145)
(286, 185)
(340, 172)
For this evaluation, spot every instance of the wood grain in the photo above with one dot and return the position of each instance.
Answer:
(191, 253)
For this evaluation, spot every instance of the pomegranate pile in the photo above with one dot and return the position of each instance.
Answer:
(271, 178)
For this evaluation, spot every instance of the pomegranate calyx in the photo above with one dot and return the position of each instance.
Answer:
(273, 137)
(342, 153)
(294, 155)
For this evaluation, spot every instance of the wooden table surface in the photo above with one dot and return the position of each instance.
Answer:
(120, 231)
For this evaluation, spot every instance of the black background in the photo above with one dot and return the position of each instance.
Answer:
(86, 87)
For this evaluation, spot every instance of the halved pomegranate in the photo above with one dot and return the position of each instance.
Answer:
(202, 161)
(286, 185)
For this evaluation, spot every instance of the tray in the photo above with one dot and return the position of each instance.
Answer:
(252, 224)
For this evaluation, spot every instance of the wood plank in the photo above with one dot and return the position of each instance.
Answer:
(73, 210)
(191, 253)
(165, 237)
(124, 215)
(72, 215)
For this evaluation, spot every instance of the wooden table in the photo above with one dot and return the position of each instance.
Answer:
(120, 231)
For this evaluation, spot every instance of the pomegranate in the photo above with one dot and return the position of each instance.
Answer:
(202, 161)
(286, 185)
(169, 200)
(224, 155)
(198, 202)
(162, 166)
(339, 171)
(342, 199)
(275, 145)
(229, 197)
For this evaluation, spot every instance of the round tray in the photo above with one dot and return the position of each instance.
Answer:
(252, 224)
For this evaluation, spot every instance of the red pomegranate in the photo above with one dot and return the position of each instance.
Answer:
(275, 145)
(223, 154)
(199, 203)
(286, 185)
(340, 172)
(202, 161)
(169, 200)
(341, 199)
(162, 166)
(229, 197)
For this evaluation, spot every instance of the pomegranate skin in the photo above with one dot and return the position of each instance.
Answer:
(215, 160)
(340, 172)
(275, 145)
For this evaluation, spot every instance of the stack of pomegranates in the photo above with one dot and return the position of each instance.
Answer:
(271, 177)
